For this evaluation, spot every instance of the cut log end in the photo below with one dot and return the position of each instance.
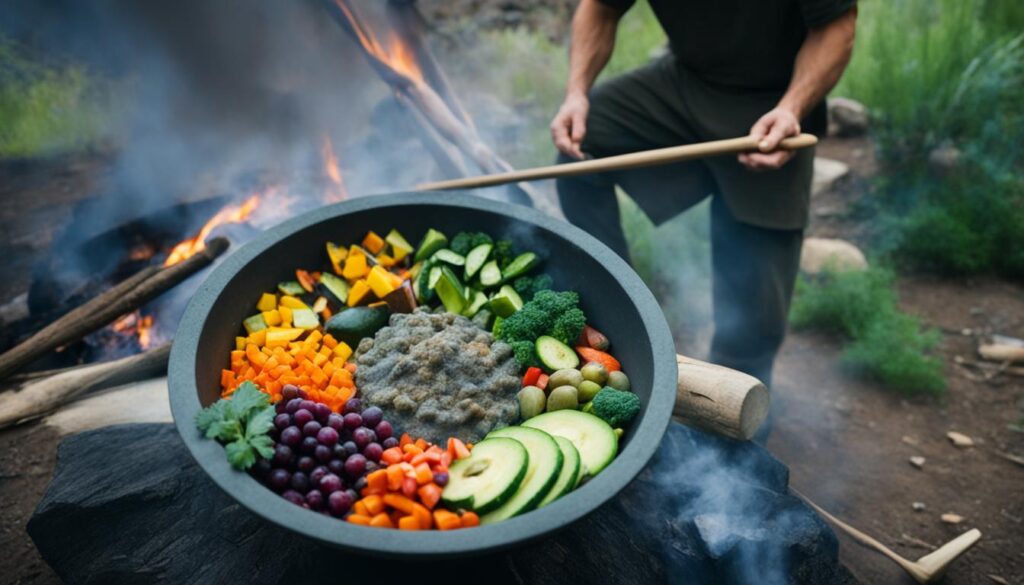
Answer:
(719, 399)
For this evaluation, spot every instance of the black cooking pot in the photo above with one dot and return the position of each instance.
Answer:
(612, 295)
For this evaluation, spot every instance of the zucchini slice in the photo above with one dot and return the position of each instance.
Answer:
(488, 477)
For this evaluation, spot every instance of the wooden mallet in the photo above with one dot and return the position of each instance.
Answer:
(635, 160)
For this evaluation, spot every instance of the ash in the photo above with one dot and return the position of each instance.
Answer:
(438, 376)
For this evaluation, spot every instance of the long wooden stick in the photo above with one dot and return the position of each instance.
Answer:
(104, 309)
(660, 156)
(719, 399)
(41, 397)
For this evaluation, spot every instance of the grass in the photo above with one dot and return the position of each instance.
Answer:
(885, 344)
(955, 78)
(47, 107)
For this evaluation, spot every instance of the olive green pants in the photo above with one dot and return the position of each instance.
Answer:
(757, 219)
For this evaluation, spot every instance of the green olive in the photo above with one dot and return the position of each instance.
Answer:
(567, 377)
(618, 380)
(595, 372)
(563, 397)
(531, 402)
(588, 390)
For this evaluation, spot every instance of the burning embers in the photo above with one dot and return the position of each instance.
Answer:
(229, 214)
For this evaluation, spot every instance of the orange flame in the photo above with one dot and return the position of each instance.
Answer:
(337, 192)
(144, 329)
(135, 324)
(229, 214)
(397, 54)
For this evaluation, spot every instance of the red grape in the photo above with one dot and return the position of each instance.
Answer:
(300, 481)
(336, 421)
(373, 452)
(291, 436)
(353, 420)
(308, 444)
(317, 474)
(372, 415)
(390, 442)
(362, 437)
(290, 391)
(353, 405)
(315, 499)
(327, 436)
(323, 453)
(306, 463)
(282, 455)
(294, 497)
(311, 428)
(302, 417)
(330, 483)
(322, 412)
(336, 466)
(355, 465)
(340, 502)
(279, 479)
(441, 478)
(293, 405)
(383, 430)
(308, 405)
(283, 421)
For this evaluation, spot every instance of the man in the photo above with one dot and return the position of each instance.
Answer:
(736, 67)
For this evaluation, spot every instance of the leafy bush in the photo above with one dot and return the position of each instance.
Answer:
(46, 107)
(886, 344)
(954, 79)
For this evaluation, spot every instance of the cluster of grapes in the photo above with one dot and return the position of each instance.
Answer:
(321, 457)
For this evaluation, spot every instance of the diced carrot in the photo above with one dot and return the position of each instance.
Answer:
(590, 354)
(377, 479)
(542, 382)
(360, 508)
(227, 379)
(381, 521)
(423, 514)
(399, 502)
(373, 243)
(350, 367)
(422, 444)
(360, 519)
(374, 504)
(446, 459)
(423, 474)
(411, 450)
(470, 519)
(305, 280)
(429, 494)
(405, 440)
(408, 523)
(409, 486)
(395, 477)
(458, 448)
(531, 376)
(446, 520)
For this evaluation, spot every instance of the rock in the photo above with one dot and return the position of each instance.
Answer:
(950, 518)
(847, 117)
(917, 461)
(960, 440)
(821, 253)
(910, 440)
(826, 173)
(918, 506)
(156, 517)
(944, 159)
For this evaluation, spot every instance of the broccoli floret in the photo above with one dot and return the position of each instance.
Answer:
(504, 252)
(549, 313)
(616, 407)
(528, 286)
(463, 242)
(568, 326)
(525, 353)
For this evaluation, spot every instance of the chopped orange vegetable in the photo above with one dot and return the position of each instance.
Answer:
(305, 280)
(355, 267)
(446, 520)
(373, 243)
(470, 519)
(374, 504)
(381, 520)
(430, 495)
(361, 519)
(408, 523)
(357, 294)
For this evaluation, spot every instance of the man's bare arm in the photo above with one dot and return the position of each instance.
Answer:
(593, 39)
(819, 65)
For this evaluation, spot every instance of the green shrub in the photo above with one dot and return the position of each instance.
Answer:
(46, 108)
(885, 344)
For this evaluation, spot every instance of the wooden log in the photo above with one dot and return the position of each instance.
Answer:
(104, 309)
(719, 399)
(42, 396)
(996, 352)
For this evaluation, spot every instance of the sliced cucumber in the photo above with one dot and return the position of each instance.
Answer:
(305, 319)
(488, 477)
(545, 462)
(291, 287)
(336, 286)
(450, 291)
(570, 474)
(506, 301)
(400, 247)
(421, 286)
(449, 257)
(433, 276)
(254, 323)
(490, 274)
(476, 259)
(522, 264)
(433, 241)
(556, 355)
(593, 438)
(477, 301)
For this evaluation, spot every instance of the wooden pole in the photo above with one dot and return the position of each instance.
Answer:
(635, 160)
(104, 309)
(719, 399)
(41, 397)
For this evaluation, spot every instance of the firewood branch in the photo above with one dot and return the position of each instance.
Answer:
(99, 312)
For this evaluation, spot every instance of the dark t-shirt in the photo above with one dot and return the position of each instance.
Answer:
(746, 44)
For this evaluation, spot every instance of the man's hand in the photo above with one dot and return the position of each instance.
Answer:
(569, 125)
(769, 132)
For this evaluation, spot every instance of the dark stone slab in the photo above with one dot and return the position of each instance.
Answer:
(128, 505)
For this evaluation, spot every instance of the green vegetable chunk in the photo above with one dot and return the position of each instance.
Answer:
(241, 423)
(556, 314)
(616, 407)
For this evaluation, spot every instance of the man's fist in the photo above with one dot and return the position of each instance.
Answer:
(769, 131)
(569, 125)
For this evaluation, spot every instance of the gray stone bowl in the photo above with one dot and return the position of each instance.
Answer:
(615, 299)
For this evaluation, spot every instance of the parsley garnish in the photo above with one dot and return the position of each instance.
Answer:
(241, 423)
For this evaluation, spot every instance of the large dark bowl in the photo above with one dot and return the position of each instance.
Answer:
(613, 296)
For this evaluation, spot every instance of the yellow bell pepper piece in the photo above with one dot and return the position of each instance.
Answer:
(278, 337)
(267, 302)
(337, 256)
(291, 302)
(379, 282)
(240, 343)
(273, 318)
(258, 338)
(373, 243)
(343, 351)
(358, 292)
(385, 260)
(355, 267)
(286, 315)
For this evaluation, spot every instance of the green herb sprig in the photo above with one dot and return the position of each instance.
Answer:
(241, 423)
